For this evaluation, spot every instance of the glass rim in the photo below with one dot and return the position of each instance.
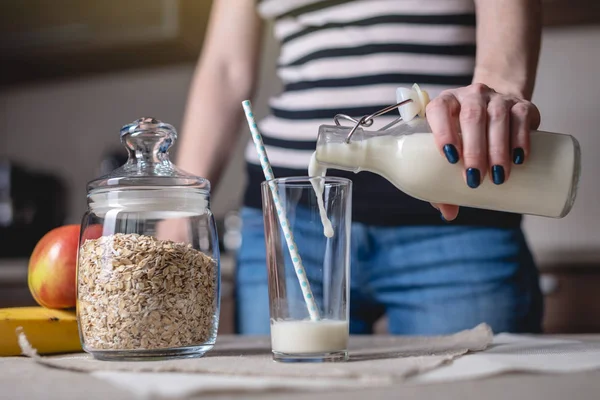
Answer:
(336, 180)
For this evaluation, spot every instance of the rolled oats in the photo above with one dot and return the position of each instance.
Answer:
(136, 292)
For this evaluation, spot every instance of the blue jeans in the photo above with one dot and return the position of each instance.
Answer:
(427, 279)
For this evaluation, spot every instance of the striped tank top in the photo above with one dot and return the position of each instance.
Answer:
(349, 56)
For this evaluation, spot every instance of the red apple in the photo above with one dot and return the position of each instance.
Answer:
(93, 231)
(52, 268)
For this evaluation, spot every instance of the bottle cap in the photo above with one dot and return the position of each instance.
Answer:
(420, 99)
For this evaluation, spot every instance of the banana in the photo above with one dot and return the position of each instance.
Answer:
(48, 331)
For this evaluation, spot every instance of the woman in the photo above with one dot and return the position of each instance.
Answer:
(477, 59)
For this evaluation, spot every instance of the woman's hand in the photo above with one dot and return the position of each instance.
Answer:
(484, 130)
(176, 230)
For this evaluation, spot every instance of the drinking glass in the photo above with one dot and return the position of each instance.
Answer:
(307, 269)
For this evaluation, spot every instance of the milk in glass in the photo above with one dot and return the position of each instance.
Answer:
(309, 337)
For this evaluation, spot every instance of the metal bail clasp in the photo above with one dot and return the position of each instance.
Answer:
(367, 120)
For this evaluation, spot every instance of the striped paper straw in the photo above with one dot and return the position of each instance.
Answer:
(283, 221)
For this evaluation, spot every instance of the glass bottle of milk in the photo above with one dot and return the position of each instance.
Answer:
(405, 154)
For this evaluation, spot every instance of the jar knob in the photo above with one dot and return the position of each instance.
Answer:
(148, 139)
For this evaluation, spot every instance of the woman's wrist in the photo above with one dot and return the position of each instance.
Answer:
(516, 85)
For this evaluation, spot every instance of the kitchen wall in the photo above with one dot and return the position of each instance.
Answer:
(43, 125)
(66, 126)
(568, 95)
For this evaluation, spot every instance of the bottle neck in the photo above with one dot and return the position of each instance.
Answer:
(333, 151)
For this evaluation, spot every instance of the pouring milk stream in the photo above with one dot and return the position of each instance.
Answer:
(406, 155)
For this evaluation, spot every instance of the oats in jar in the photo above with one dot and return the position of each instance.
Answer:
(136, 292)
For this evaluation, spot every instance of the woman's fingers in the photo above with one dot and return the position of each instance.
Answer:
(448, 212)
(473, 124)
(498, 111)
(524, 117)
(442, 113)
(486, 131)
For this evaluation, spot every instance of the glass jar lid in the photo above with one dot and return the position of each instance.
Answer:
(148, 141)
(148, 182)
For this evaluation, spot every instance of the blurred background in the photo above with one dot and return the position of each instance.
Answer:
(73, 72)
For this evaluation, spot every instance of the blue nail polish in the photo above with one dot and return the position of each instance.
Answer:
(498, 174)
(518, 156)
(473, 178)
(442, 217)
(451, 153)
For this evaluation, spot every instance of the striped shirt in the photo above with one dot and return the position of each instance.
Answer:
(349, 56)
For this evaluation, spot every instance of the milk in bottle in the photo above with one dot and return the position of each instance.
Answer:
(406, 155)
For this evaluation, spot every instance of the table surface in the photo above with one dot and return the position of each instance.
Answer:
(21, 378)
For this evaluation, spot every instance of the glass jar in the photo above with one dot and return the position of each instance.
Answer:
(148, 274)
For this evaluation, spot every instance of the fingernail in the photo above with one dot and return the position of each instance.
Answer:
(518, 156)
(498, 174)
(473, 178)
(451, 153)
